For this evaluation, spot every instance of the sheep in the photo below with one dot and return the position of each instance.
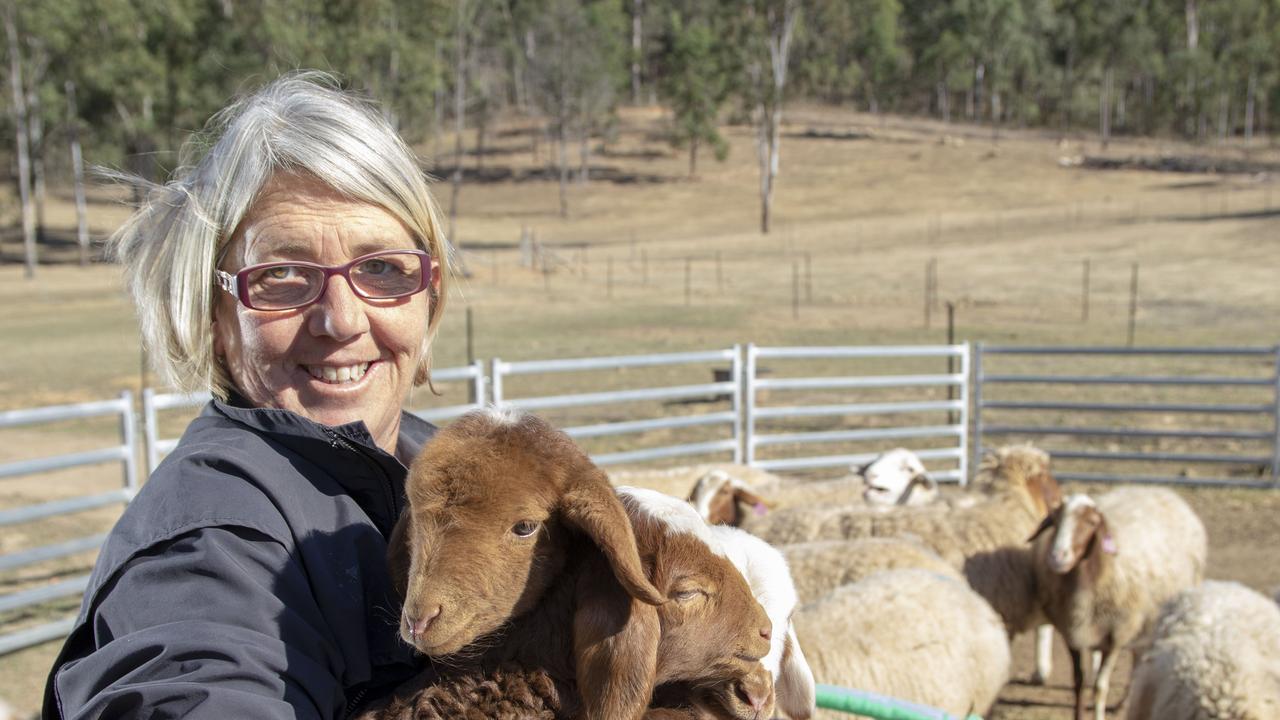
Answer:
(894, 478)
(821, 566)
(911, 634)
(679, 481)
(1216, 656)
(1103, 567)
(585, 602)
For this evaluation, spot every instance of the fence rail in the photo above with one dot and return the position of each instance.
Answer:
(1068, 420)
(749, 410)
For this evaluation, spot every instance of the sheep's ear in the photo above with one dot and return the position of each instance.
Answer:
(796, 691)
(1105, 540)
(1048, 522)
(1045, 488)
(398, 556)
(615, 650)
(592, 506)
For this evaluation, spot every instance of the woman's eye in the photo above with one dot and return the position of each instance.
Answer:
(525, 528)
(375, 267)
(280, 273)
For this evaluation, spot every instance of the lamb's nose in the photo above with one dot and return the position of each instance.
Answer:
(766, 632)
(419, 627)
(754, 696)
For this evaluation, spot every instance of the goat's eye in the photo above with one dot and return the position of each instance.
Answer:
(687, 594)
(525, 528)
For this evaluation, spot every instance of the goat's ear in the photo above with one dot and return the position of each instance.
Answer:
(1048, 522)
(615, 651)
(1045, 488)
(758, 503)
(796, 691)
(1105, 540)
(592, 506)
(398, 555)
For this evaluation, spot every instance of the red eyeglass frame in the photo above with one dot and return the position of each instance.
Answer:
(237, 285)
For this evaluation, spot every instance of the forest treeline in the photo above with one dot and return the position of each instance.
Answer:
(124, 82)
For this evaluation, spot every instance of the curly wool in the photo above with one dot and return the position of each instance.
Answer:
(509, 693)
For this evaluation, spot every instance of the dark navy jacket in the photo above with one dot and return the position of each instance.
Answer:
(247, 580)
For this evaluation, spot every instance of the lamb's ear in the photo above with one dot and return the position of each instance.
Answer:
(758, 503)
(1048, 522)
(796, 691)
(592, 506)
(1105, 540)
(615, 650)
(398, 556)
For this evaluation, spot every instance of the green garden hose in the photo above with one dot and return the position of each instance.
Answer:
(880, 707)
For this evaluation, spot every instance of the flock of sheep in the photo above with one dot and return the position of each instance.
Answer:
(634, 595)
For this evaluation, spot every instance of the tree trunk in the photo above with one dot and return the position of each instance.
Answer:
(769, 108)
(24, 160)
(693, 158)
(1248, 105)
(564, 168)
(1104, 106)
(1223, 117)
(637, 38)
(459, 115)
(584, 155)
(35, 123)
(979, 88)
(944, 102)
(77, 171)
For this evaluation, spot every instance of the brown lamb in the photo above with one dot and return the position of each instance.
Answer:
(525, 582)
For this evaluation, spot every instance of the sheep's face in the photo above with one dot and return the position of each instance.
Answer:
(706, 598)
(724, 500)
(1079, 530)
(897, 478)
(493, 506)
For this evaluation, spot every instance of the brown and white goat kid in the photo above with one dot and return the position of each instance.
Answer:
(515, 551)
(1103, 568)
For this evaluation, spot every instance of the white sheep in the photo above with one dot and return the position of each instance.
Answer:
(1216, 656)
(910, 634)
(723, 496)
(1103, 568)
(679, 481)
(821, 566)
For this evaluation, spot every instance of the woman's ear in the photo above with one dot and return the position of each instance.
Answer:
(615, 650)
(592, 506)
(796, 691)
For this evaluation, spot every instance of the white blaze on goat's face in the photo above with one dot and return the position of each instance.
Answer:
(1079, 520)
(766, 572)
(708, 490)
(676, 515)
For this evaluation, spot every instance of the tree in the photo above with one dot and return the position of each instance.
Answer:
(768, 27)
(697, 78)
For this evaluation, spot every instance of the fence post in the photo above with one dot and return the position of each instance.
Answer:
(495, 385)
(951, 359)
(965, 363)
(1275, 440)
(1133, 303)
(795, 290)
(976, 440)
(471, 339)
(130, 438)
(688, 281)
(735, 374)
(478, 382)
(749, 407)
(1084, 294)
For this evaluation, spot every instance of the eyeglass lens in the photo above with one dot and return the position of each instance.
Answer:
(387, 275)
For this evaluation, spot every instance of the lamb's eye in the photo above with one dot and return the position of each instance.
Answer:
(686, 594)
(525, 528)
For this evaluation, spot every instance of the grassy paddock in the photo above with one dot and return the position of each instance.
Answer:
(652, 261)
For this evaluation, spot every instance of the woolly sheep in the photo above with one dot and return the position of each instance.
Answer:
(679, 481)
(1216, 656)
(894, 478)
(823, 565)
(910, 634)
(1103, 568)
(566, 605)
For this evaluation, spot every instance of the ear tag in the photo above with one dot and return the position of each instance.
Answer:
(760, 509)
(1108, 545)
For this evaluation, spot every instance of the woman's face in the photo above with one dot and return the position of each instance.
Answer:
(342, 358)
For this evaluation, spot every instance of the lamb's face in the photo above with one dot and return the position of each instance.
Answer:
(494, 501)
(479, 557)
(706, 595)
(751, 698)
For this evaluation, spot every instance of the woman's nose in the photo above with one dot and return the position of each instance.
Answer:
(339, 313)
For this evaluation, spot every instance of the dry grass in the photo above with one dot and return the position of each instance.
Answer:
(863, 205)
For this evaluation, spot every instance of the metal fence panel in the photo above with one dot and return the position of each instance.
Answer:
(814, 392)
(1210, 429)
(600, 402)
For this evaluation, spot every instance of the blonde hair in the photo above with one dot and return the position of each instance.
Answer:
(299, 123)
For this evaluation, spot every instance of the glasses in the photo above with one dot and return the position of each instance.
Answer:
(288, 285)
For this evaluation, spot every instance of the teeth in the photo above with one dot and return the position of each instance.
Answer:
(338, 375)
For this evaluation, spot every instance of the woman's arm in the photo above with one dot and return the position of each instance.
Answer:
(218, 623)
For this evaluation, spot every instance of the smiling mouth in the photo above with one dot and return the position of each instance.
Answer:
(338, 375)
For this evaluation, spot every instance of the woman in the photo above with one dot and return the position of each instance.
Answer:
(298, 271)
